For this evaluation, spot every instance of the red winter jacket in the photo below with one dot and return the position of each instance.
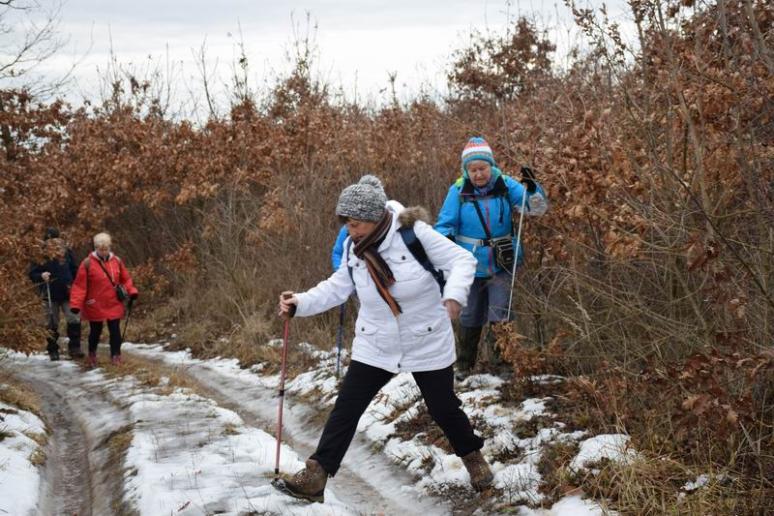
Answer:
(94, 295)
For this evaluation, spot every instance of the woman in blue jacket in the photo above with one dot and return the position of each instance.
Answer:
(477, 214)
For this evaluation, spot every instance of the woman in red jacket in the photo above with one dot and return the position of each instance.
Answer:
(94, 292)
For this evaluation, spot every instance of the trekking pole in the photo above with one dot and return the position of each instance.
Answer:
(285, 337)
(339, 339)
(128, 313)
(518, 248)
(51, 310)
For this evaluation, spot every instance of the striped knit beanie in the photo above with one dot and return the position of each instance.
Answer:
(476, 149)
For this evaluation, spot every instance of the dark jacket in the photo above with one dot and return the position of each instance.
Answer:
(62, 276)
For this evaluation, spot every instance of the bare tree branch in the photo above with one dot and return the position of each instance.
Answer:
(28, 38)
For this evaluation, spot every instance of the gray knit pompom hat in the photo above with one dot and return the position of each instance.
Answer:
(370, 179)
(364, 200)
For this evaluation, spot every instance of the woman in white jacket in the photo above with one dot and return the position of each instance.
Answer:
(404, 325)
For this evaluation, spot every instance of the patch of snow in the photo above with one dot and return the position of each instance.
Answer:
(547, 379)
(520, 482)
(701, 481)
(188, 452)
(480, 381)
(568, 506)
(189, 456)
(19, 478)
(614, 447)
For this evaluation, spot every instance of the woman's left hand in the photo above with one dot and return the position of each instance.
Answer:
(453, 308)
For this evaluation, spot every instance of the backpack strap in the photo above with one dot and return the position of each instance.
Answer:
(86, 265)
(418, 251)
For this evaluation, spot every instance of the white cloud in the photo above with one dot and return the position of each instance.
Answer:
(359, 42)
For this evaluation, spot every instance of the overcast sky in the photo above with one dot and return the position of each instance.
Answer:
(359, 42)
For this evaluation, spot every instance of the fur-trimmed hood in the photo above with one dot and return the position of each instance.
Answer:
(412, 214)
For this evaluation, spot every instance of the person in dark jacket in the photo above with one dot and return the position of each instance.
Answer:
(54, 278)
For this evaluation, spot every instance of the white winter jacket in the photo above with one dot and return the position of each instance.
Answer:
(421, 337)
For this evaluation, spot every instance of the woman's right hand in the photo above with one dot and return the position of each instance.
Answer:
(287, 304)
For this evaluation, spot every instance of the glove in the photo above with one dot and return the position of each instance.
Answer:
(133, 296)
(76, 311)
(528, 179)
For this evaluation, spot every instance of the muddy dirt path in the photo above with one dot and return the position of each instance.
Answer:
(83, 473)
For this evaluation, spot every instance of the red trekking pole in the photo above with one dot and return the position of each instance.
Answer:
(283, 370)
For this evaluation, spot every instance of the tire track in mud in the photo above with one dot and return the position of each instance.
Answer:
(84, 471)
(377, 487)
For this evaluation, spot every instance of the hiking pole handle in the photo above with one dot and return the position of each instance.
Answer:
(292, 309)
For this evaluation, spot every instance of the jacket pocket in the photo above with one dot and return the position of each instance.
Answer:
(429, 328)
(429, 338)
(366, 335)
(365, 329)
(403, 265)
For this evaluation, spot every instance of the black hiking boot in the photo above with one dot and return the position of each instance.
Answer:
(53, 355)
(74, 346)
(307, 484)
(467, 348)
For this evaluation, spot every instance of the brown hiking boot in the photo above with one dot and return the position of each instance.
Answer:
(480, 474)
(309, 483)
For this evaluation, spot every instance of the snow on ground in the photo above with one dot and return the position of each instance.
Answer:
(613, 447)
(518, 480)
(19, 477)
(189, 456)
(186, 455)
(568, 506)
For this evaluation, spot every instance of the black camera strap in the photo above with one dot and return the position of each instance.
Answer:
(101, 266)
(483, 222)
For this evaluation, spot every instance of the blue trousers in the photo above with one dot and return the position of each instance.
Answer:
(488, 301)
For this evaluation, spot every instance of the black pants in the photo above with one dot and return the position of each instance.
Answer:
(73, 333)
(361, 384)
(53, 311)
(95, 331)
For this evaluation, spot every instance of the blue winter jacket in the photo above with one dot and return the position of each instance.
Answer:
(338, 247)
(458, 216)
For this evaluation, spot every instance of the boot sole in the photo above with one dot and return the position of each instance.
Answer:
(484, 484)
(280, 485)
